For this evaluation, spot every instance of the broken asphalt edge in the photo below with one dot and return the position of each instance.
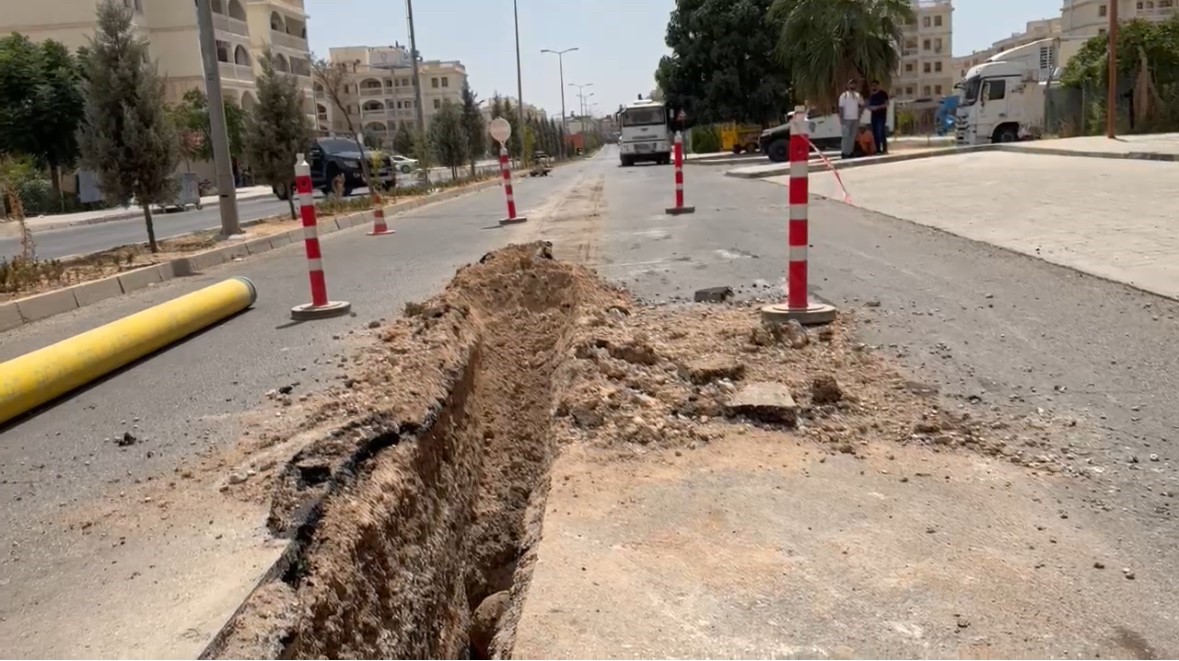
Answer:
(1013, 148)
(21, 311)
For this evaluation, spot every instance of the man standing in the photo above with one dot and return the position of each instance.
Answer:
(878, 105)
(851, 105)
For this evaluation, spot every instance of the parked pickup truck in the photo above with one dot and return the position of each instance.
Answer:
(330, 157)
(825, 132)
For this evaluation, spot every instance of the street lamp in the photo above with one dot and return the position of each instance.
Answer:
(519, 78)
(581, 94)
(561, 65)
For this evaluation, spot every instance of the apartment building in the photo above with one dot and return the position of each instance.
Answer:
(1089, 18)
(1033, 31)
(379, 90)
(927, 65)
(243, 30)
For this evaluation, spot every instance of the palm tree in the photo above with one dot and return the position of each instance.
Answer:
(825, 43)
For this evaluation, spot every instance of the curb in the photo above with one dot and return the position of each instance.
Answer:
(1056, 151)
(21, 311)
(862, 162)
(126, 215)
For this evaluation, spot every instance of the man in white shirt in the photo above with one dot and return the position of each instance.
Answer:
(851, 106)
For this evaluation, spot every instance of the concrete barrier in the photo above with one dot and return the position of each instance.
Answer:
(36, 378)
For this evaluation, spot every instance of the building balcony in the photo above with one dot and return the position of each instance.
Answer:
(238, 72)
(371, 92)
(288, 41)
(230, 25)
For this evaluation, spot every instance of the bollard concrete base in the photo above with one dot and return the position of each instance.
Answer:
(675, 211)
(380, 233)
(513, 221)
(815, 314)
(309, 312)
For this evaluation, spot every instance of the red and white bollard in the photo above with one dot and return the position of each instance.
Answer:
(505, 168)
(319, 307)
(678, 151)
(379, 226)
(798, 304)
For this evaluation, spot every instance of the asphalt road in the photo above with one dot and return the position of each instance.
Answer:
(986, 327)
(83, 239)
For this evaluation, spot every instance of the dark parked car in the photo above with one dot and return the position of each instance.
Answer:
(329, 157)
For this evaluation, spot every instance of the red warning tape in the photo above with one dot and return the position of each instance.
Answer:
(831, 166)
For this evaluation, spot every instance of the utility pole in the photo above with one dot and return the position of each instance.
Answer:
(417, 84)
(519, 79)
(1111, 111)
(561, 66)
(226, 189)
(581, 101)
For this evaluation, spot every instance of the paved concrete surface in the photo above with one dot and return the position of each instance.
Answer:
(1161, 144)
(1114, 219)
(71, 586)
(985, 326)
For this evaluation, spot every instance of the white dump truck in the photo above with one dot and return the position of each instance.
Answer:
(1003, 99)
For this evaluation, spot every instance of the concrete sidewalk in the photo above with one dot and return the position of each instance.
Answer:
(58, 221)
(1110, 219)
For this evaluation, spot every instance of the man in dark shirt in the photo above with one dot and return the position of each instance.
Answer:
(878, 104)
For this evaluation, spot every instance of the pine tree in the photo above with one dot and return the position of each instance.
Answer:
(277, 130)
(126, 136)
(448, 137)
(403, 139)
(474, 127)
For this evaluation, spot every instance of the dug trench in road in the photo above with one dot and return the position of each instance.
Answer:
(98, 563)
(910, 523)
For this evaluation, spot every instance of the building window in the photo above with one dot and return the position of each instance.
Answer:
(434, 83)
(937, 66)
(937, 21)
(937, 45)
(925, 21)
(925, 45)
(1101, 32)
(908, 67)
(405, 82)
(926, 68)
(1101, 9)
(445, 81)
(437, 103)
(908, 91)
(937, 89)
(926, 88)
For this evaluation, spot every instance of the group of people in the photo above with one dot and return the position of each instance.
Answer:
(851, 108)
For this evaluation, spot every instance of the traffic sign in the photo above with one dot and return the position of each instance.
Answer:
(500, 129)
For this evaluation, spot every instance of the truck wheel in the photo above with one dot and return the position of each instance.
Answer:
(737, 149)
(779, 151)
(1006, 133)
(751, 147)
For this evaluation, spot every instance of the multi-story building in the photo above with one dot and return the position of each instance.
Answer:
(378, 90)
(243, 30)
(927, 65)
(1034, 31)
(1089, 18)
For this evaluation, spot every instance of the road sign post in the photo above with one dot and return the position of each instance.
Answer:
(501, 130)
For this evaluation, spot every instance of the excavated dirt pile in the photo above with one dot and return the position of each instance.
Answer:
(415, 490)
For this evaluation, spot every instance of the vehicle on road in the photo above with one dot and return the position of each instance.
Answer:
(404, 164)
(332, 157)
(646, 133)
(825, 132)
(542, 165)
(188, 193)
(1004, 98)
(739, 138)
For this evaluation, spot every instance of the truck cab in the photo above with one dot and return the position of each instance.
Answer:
(1002, 99)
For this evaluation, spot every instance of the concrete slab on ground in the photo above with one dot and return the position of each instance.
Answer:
(1110, 219)
(1158, 146)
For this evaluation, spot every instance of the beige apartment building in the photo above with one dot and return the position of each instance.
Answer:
(1089, 18)
(379, 93)
(243, 29)
(927, 63)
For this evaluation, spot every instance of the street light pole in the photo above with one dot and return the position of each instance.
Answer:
(581, 100)
(561, 66)
(417, 84)
(1111, 111)
(226, 189)
(519, 79)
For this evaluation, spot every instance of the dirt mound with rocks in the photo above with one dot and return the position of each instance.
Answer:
(414, 490)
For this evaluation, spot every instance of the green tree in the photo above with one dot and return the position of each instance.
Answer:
(126, 136)
(473, 127)
(191, 117)
(403, 139)
(449, 138)
(825, 43)
(40, 103)
(422, 150)
(277, 130)
(722, 66)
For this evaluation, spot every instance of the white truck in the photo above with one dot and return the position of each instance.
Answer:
(826, 132)
(644, 133)
(1003, 99)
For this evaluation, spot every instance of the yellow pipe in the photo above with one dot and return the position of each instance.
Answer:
(36, 378)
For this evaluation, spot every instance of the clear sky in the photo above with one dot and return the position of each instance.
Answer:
(620, 41)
